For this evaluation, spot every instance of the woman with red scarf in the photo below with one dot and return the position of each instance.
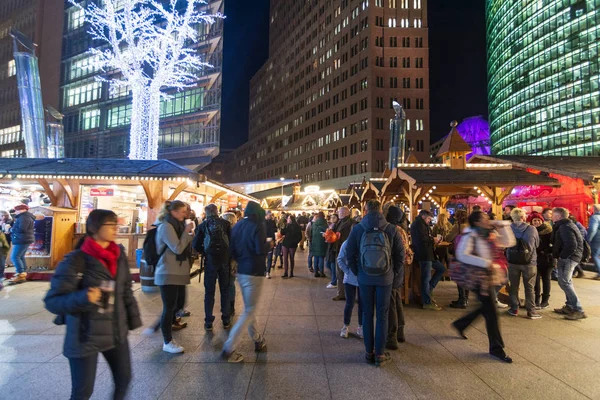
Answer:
(97, 321)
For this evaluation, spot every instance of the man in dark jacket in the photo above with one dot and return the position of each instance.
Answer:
(249, 247)
(22, 238)
(423, 245)
(302, 221)
(396, 322)
(568, 249)
(212, 240)
(375, 290)
(271, 227)
(344, 226)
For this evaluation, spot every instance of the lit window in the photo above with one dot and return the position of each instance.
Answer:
(12, 68)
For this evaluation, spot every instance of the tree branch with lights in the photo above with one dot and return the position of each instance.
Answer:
(147, 46)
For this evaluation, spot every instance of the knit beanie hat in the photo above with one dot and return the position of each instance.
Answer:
(394, 215)
(533, 216)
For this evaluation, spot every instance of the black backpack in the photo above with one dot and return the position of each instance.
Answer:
(521, 253)
(216, 241)
(376, 251)
(151, 254)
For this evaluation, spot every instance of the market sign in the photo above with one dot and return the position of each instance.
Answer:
(232, 201)
(102, 192)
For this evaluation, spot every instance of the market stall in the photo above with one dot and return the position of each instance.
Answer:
(134, 189)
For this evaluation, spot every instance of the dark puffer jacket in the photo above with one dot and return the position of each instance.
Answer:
(544, 250)
(422, 240)
(88, 331)
(22, 230)
(249, 245)
(567, 242)
(293, 235)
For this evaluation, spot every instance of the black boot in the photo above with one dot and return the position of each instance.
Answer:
(401, 337)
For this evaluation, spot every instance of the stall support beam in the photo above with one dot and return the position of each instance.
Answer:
(53, 198)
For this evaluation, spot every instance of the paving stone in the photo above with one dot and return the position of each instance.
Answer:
(292, 349)
(30, 348)
(292, 325)
(289, 381)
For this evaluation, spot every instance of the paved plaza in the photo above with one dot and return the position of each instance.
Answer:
(306, 358)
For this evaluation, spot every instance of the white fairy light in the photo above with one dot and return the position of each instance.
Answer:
(150, 43)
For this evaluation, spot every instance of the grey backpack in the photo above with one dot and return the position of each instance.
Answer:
(375, 252)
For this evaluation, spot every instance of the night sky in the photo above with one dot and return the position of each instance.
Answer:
(457, 63)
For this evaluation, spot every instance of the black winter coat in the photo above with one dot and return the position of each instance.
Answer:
(249, 246)
(88, 331)
(567, 241)
(293, 236)
(544, 250)
(200, 235)
(23, 228)
(271, 227)
(422, 240)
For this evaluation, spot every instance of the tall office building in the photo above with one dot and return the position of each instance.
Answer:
(36, 19)
(97, 120)
(544, 87)
(320, 106)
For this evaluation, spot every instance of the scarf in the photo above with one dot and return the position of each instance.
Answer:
(179, 227)
(108, 256)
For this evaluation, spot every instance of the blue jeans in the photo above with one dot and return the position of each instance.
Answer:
(427, 282)
(18, 257)
(352, 293)
(211, 274)
(378, 298)
(331, 265)
(231, 294)
(319, 264)
(565, 281)
(310, 259)
(251, 287)
(269, 261)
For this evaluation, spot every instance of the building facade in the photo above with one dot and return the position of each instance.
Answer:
(36, 19)
(97, 119)
(544, 87)
(320, 107)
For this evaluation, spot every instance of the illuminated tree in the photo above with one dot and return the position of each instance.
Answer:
(147, 46)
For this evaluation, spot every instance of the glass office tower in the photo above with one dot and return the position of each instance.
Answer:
(543, 82)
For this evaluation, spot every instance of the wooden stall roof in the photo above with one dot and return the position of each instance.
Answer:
(586, 168)
(95, 167)
(481, 177)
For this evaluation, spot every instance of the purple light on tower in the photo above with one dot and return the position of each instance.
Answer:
(476, 132)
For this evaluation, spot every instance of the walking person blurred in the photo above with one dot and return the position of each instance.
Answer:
(395, 334)
(22, 236)
(593, 238)
(375, 255)
(212, 240)
(232, 219)
(173, 243)
(292, 236)
(91, 293)
(318, 247)
(480, 250)
(249, 247)
(460, 224)
(522, 262)
(344, 227)
(567, 247)
(545, 262)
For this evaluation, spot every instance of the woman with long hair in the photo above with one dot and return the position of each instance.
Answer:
(460, 217)
(292, 235)
(91, 294)
(442, 228)
(172, 271)
(480, 251)
(545, 262)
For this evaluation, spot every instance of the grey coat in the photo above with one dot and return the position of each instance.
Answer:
(529, 235)
(169, 271)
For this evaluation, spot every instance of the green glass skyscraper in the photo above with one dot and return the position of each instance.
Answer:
(543, 76)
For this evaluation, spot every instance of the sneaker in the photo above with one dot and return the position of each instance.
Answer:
(565, 310)
(261, 345)
(514, 313)
(544, 305)
(172, 347)
(285, 276)
(330, 286)
(18, 278)
(432, 306)
(370, 358)
(268, 275)
(291, 275)
(359, 332)
(233, 357)
(208, 326)
(183, 313)
(533, 315)
(339, 298)
(392, 345)
(575, 315)
(502, 357)
(226, 324)
(344, 332)
(382, 359)
(501, 305)
(462, 305)
(177, 326)
(317, 275)
(311, 270)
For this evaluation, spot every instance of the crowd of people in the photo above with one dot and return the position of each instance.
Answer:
(366, 255)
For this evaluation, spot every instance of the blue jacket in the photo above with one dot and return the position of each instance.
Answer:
(342, 260)
(22, 230)
(249, 246)
(593, 233)
(374, 220)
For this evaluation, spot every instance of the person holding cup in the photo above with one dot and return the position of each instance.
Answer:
(91, 288)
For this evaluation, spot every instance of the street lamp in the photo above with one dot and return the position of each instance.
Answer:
(282, 179)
